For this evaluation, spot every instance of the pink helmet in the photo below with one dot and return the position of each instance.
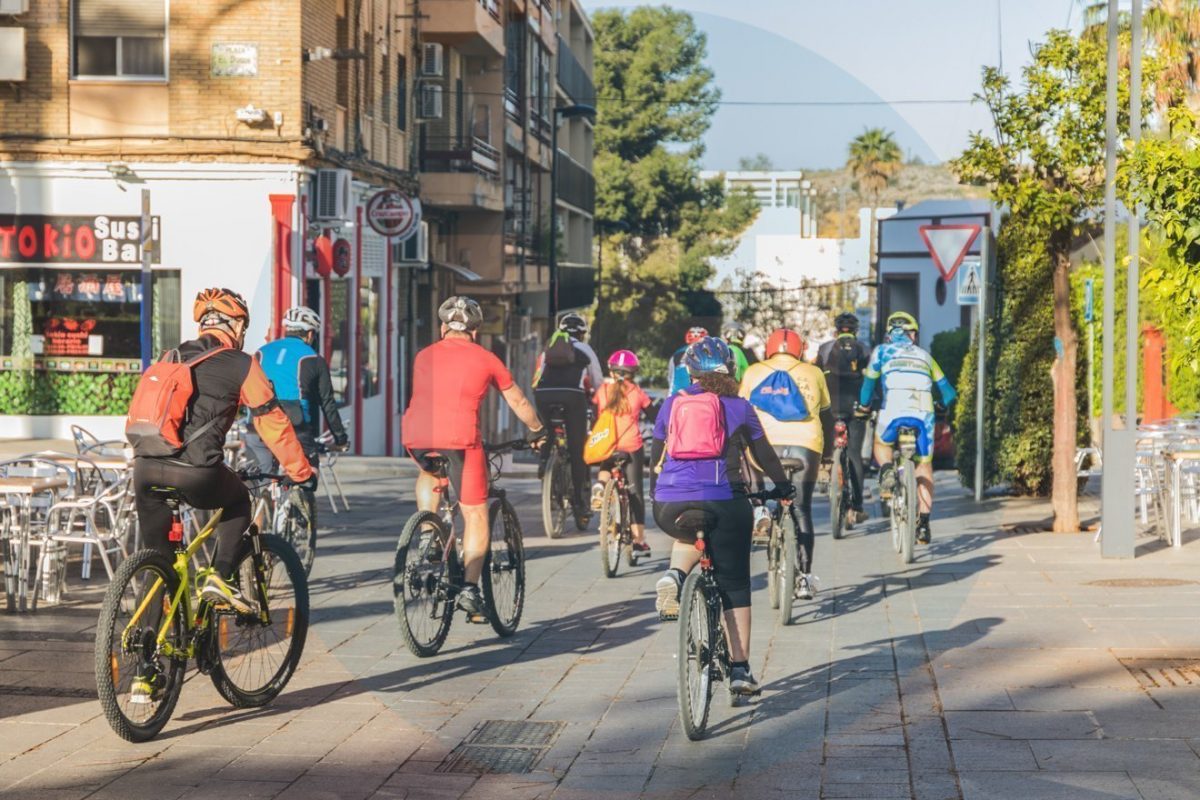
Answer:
(623, 360)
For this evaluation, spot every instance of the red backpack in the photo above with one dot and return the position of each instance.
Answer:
(159, 406)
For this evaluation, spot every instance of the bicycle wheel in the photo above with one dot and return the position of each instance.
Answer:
(837, 496)
(297, 526)
(504, 570)
(774, 546)
(610, 530)
(423, 606)
(257, 653)
(696, 652)
(908, 538)
(554, 496)
(789, 558)
(127, 647)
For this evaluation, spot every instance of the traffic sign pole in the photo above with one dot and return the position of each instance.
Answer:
(985, 253)
(147, 309)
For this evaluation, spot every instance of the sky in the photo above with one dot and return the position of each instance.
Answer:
(874, 52)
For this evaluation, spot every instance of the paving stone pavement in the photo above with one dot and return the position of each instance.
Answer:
(992, 667)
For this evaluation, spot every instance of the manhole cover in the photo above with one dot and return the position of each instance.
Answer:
(515, 733)
(1140, 583)
(1164, 673)
(502, 746)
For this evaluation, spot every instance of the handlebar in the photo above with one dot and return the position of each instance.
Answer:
(255, 474)
(504, 447)
(769, 494)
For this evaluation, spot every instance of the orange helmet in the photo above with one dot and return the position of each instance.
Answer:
(784, 340)
(228, 304)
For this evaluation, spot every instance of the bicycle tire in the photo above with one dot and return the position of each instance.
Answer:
(837, 496)
(554, 514)
(110, 677)
(299, 528)
(610, 530)
(787, 571)
(908, 540)
(505, 557)
(427, 585)
(773, 547)
(694, 684)
(237, 658)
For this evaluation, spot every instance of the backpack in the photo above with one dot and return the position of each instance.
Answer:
(602, 441)
(779, 396)
(560, 350)
(696, 427)
(159, 406)
(844, 359)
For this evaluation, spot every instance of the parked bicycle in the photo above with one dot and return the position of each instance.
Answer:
(558, 488)
(901, 509)
(429, 567)
(153, 621)
(616, 521)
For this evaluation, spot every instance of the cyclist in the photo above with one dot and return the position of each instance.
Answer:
(792, 402)
(734, 336)
(224, 380)
(907, 375)
(698, 438)
(302, 384)
(566, 374)
(843, 360)
(450, 380)
(626, 400)
(678, 378)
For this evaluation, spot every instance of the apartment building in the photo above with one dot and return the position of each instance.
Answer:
(262, 131)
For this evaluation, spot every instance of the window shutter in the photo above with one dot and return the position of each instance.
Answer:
(120, 17)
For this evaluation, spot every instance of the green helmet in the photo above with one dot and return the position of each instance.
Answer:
(902, 320)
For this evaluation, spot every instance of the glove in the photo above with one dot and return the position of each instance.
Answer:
(309, 484)
(784, 491)
(861, 411)
(341, 443)
(939, 408)
(536, 438)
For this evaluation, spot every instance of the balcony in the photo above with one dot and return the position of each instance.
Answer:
(472, 26)
(461, 173)
(576, 185)
(573, 78)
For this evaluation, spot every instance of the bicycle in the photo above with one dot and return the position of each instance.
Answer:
(616, 522)
(703, 658)
(429, 572)
(839, 481)
(286, 512)
(782, 558)
(558, 487)
(153, 621)
(901, 509)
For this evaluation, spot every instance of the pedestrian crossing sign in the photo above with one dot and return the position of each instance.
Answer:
(969, 283)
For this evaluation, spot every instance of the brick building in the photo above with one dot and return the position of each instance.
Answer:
(261, 130)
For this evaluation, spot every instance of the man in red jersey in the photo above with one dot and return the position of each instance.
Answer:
(450, 380)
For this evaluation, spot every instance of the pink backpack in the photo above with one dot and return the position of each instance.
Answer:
(696, 428)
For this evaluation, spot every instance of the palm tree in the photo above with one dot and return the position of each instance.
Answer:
(874, 159)
(1173, 35)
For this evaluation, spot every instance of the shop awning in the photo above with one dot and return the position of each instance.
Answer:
(460, 271)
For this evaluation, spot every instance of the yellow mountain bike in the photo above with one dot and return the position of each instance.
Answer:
(153, 621)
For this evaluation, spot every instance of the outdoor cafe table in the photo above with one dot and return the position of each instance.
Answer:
(1175, 461)
(17, 554)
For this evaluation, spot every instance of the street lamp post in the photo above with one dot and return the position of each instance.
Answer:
(560, 112)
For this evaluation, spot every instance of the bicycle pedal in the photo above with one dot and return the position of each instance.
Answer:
(477, 619)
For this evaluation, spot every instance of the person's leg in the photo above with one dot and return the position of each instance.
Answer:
(684, 558)
(577, 431)
(730, 544)
(925, 486)
(475, 540)
(154, 516)
(472, 489)
(856, 430)
(807, 481)
(635, 477)
(219, 487)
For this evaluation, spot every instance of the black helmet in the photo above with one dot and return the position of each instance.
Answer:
(846, 321)
(461, 313)
(573, 324)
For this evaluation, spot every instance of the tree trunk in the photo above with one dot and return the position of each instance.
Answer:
(1064, 492)
(873, 287)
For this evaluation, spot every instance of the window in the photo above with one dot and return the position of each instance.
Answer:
(401, 93)
(339, 338)
(343, 66)
(385, 90)
(120, 38)
(368, 321)
(369, 76)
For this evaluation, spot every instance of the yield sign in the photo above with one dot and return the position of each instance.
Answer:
(948, 244)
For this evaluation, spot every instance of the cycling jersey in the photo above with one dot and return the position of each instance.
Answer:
(629, 433)
(582, 375)
(450, 379)
(301, 380)
(908, 375)
(740, 360)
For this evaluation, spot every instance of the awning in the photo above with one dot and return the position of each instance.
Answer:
(460, 271)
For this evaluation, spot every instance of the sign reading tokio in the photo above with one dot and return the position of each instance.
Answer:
(394, 215)
(37, 239)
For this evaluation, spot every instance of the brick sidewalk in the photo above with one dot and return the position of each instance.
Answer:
(994, 667)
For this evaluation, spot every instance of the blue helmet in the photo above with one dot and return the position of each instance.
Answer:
(709, 354)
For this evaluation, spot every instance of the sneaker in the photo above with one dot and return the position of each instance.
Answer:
(220, 593)
(641, 549)
(597, 495)
(141, 692)
(667, 600)
(923, 532)
(743, 682)
(806, 586)
(470, 600)
(887, 481)
(859, 515)
(762, 525)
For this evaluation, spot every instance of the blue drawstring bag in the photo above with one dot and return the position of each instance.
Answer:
(779, 396)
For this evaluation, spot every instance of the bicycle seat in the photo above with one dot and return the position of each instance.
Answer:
(792, 464)
(170, 494)
(694, 520)
(558, 412)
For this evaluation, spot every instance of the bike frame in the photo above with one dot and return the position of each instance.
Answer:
(712, 601)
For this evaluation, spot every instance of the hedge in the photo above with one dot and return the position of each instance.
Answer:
(74, 393)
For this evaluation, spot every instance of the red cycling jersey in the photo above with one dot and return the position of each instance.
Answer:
(450, 380)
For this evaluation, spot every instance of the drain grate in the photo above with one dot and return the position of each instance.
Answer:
(502, 746)
(1140, 583)
(1164, 673)
(48, 691)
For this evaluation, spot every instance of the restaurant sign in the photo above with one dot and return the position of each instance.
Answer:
(38, 239)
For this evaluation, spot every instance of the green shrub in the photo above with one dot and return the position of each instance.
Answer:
(948, 349)
(72, 393)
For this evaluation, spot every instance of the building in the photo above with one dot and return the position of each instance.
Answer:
(262, 131)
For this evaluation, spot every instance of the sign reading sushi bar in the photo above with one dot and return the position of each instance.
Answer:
(101, 239)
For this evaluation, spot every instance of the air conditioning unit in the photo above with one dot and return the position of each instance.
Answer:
(430, 106)
(332, 200)
(12, 54)
(414, 249)
(14, 6)
(433, 60)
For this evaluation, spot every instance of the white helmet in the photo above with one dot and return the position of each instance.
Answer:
(301, 318)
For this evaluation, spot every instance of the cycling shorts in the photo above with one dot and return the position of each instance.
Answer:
(888, 430)
(466, 469)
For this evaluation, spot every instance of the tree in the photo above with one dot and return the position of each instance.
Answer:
(1046, 164)
(760, 162)
(874, 159)
(1173, 38)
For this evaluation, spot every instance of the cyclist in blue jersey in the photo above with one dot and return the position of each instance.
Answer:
(906, 375)
(678, 378)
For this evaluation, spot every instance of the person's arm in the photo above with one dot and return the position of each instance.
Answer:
(870, 377)
(522, 407)
(761, 451)
(329, 407)
(949, 395)
(595, 374)
(273, 425)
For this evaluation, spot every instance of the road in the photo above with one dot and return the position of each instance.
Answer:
(993, 667)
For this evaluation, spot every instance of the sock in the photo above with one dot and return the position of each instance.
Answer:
(924, 519)
(469, 585)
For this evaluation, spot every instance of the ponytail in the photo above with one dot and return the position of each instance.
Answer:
(617, 403)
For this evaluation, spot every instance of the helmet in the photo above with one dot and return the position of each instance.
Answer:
(695, 334)
(623, 361)
(708, 354)
(219, 306)
(573, 324)
(733, 333)
(902, 320)
(460, 313)
(846, 322)
(301, 318)
(784, 340)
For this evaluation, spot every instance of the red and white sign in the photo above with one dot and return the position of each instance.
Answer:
(949, 244)
(394, 215)
(342, 256)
